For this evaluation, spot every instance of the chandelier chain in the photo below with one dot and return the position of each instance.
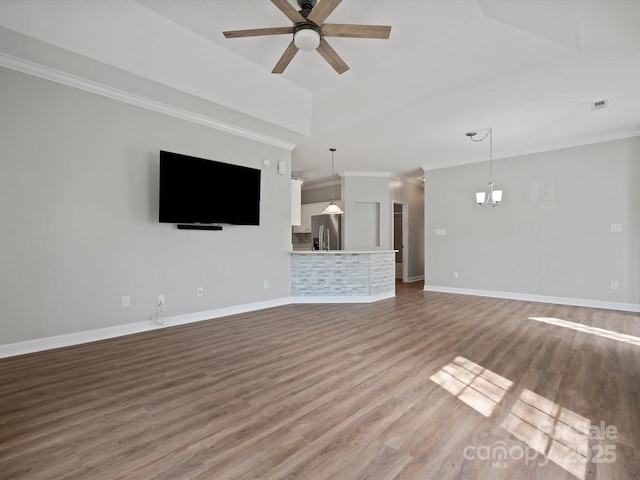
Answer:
(490, 135)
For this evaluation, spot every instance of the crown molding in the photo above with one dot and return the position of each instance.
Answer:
(310, 185)
(418, 182)
(74, 81)
(366, 174)
(550, 148)
(327, 183)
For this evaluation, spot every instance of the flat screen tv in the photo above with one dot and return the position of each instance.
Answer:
(198, 191)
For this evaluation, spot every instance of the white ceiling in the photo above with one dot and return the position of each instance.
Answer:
(529, 69)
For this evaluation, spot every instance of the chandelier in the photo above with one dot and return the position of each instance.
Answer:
(491, 197)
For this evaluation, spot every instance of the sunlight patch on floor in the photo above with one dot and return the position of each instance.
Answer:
(476, 386)
(558, 433)
(555, 432)
(601, 332)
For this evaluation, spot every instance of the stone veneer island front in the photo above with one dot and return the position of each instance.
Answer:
(334, 276)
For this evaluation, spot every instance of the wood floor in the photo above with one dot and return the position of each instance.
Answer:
(422, 386)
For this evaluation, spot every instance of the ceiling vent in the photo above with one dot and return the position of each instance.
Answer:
(599, 105)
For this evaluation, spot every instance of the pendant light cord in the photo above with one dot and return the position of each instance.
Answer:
(333, 196)
(332, 208)
(490, 135)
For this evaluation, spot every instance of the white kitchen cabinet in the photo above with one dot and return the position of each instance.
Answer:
(305, 219)
(296, 201)
(308, 211)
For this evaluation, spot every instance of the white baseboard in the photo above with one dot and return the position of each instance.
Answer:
(415, 279)
(577, 302)
(346, 299)
(57, 341)
(76, 338)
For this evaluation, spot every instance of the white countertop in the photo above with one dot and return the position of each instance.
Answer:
(339, 252)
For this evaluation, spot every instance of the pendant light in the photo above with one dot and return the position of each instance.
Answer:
(491, 197)
(332, 208)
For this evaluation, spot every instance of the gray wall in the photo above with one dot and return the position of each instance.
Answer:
(366, 191)
(413, 195)
(78, 209)
(551, 236)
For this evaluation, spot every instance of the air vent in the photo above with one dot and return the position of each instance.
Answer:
(599, 105)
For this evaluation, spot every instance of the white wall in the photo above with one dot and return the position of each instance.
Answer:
(551, 236)
(78, 209)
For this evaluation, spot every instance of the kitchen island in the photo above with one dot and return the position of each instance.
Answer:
(340, 276)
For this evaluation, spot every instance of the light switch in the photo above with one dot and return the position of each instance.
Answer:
(616, 227)
(440, 232)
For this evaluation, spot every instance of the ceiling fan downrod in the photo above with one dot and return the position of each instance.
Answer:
(306, 6)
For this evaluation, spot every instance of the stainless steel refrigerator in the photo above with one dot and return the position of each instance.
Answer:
(326, 232)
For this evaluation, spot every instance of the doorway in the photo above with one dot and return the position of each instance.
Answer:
(401, 239)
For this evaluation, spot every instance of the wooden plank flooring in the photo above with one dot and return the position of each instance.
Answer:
(423, 386)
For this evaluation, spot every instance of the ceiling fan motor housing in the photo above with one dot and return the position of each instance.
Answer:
(306, 4)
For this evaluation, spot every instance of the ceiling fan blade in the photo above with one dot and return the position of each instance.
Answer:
(256, 32)
(355, 31)
(322, 10)
(330, 55)
(288, 9)
(286, 58)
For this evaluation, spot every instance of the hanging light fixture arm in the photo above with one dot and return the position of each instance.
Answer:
(333, 192)
(493, 197)
(332, 208)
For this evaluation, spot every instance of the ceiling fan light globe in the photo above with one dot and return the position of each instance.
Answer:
(306, 39)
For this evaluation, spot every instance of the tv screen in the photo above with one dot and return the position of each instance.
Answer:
(198, 191)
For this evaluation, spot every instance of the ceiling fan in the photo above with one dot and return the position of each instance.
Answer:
(309, 32)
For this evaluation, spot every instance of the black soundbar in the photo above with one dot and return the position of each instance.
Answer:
(198, 227)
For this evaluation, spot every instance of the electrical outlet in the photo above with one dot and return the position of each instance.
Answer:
(126, 301)
(614, 285)
(266, 284)
(200, 291)
(161, 299)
